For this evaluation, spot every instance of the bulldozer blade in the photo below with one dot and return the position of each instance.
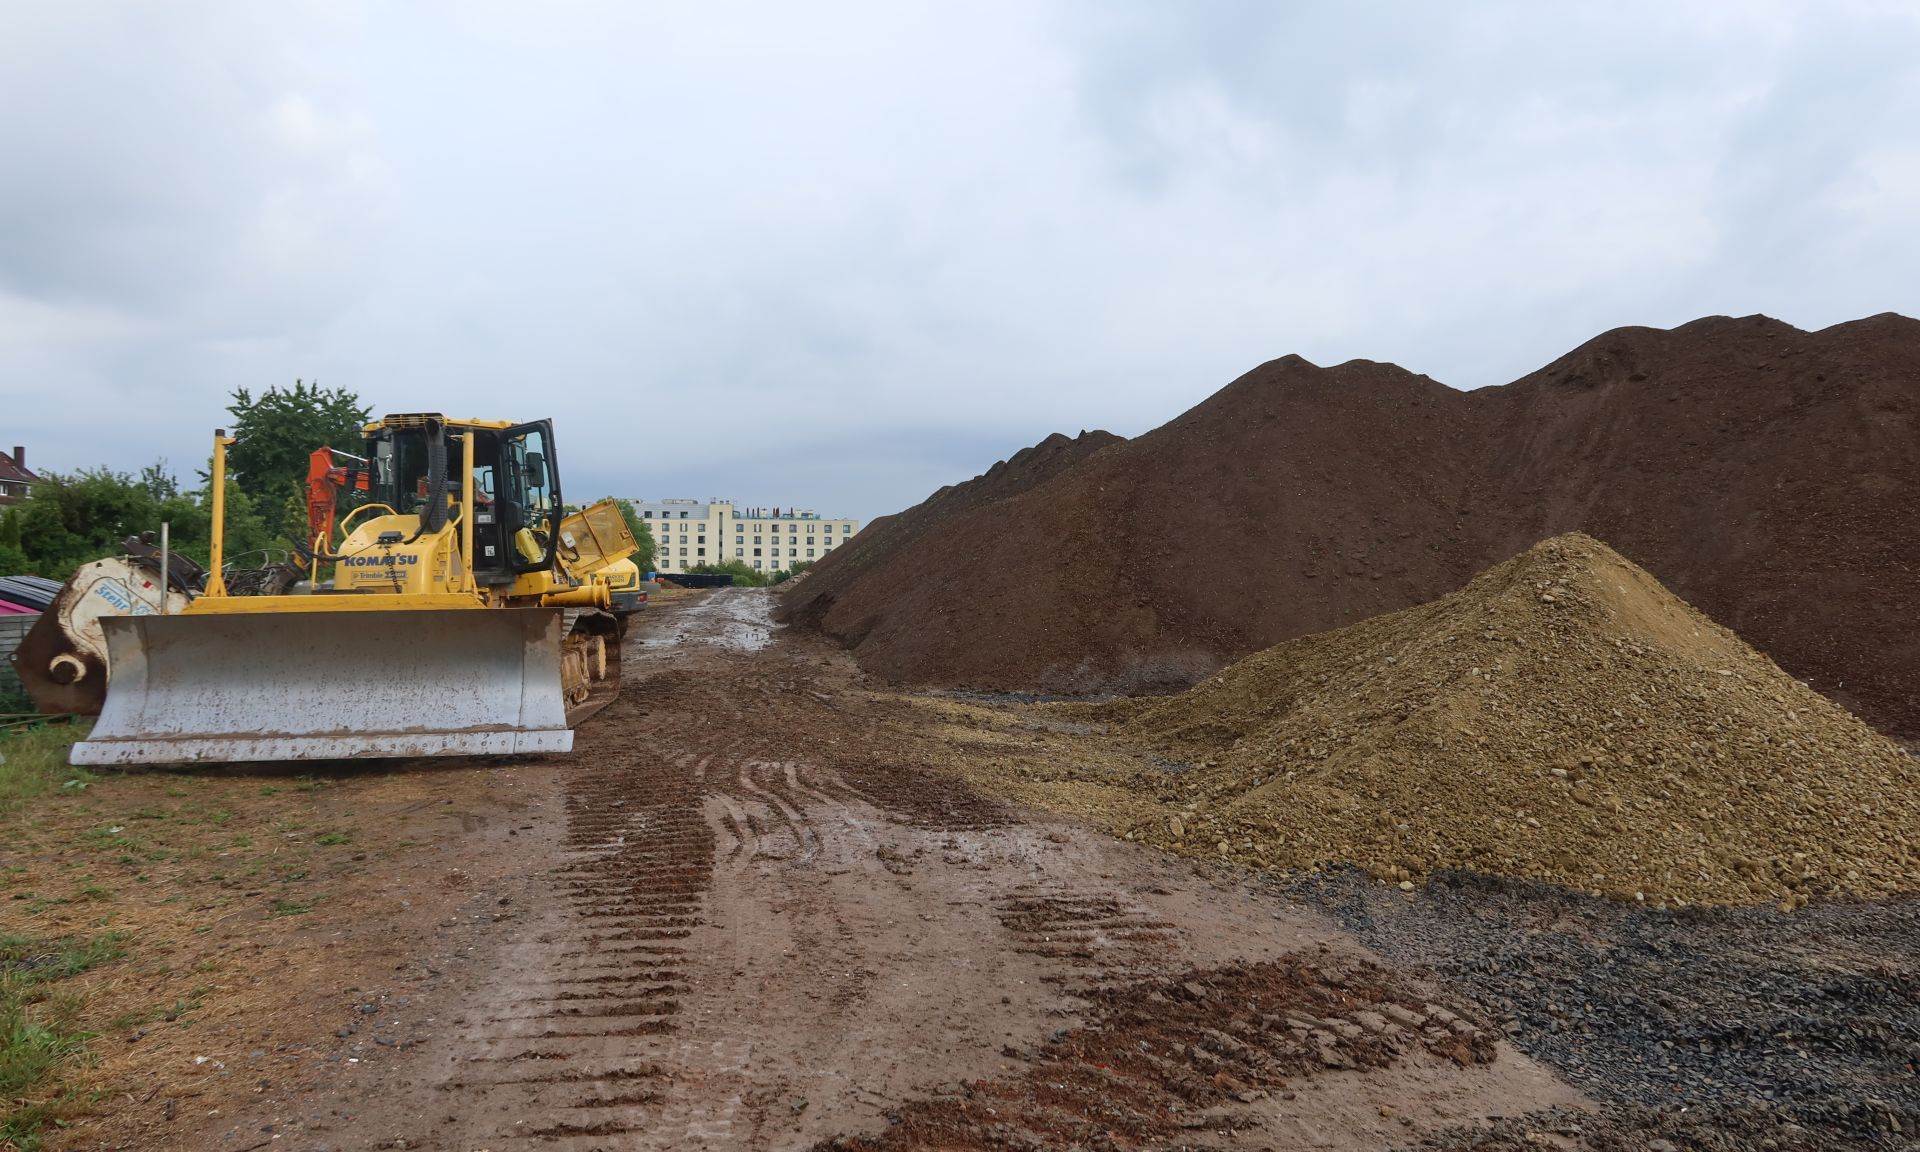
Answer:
(330, 685)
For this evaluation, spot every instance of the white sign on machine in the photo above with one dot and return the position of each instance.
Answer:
(111, 587)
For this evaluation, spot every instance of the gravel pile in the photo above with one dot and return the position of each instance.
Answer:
(1562, 718)
(1708, 1028)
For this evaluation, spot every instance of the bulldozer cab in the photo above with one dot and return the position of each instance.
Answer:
(516, 487)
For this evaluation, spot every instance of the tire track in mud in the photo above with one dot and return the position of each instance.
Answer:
(638, 886)
(581, 1051)
(1093, 937)
(762, 930)
(1179, 1058)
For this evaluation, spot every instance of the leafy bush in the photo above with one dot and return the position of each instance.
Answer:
(743, 576)
(641, 533)
(73, 519)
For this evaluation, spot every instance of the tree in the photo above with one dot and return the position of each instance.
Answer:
(249, 543)
(71, 520)
(293, 512)
(642, 534)
(277, 433)
(13, 558)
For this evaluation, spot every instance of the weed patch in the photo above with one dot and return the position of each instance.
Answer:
(33, 762)
(40, 1032)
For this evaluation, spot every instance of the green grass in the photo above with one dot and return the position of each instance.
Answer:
(40, 1032)
(332, 838)
(27, 962)
(33, 762)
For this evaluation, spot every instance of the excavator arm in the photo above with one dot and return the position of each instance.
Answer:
(325, 479)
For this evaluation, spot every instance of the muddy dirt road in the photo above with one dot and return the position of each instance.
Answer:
(771, 904)
(735, 920)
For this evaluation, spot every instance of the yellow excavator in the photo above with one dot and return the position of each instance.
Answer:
(466, 614)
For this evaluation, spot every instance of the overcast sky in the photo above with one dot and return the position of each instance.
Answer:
(836, 255)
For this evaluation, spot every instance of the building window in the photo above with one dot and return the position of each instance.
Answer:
(739, 539)
(683, 551)
(756, 539)
(793, 551)
(809, 553)
(644, 515)
(702, 552)
(757, 564)
(701, 540)
(739, 552)
(756, 552)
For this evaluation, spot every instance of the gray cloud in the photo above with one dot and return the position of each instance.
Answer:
(839, 255)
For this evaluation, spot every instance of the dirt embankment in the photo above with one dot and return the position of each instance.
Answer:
(1562, 718)
(1762, 472)
(860, 571)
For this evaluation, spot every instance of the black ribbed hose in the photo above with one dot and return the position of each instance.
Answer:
(434, 516)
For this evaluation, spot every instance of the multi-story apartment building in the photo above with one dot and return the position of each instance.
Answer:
(689, 533)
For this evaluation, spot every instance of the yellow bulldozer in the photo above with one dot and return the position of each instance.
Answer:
(459, 611)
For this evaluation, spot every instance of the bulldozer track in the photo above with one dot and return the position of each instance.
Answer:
(754, 928)
(612, 972)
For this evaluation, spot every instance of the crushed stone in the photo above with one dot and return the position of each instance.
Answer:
(1562, 718)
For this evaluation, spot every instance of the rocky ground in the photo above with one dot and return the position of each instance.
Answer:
(770, 904)
(1800, 1028)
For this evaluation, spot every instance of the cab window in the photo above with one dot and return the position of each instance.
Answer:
(527, 487)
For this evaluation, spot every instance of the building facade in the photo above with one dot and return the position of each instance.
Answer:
(689, 533)
(16, 482)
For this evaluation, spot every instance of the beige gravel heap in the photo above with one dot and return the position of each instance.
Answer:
(1564, 718)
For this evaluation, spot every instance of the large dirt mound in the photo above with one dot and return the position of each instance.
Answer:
(1563, 718)
(1764, 473)
(862, 571)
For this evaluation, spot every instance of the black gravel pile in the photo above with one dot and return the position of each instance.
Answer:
(1796, 1028)
(1631, 1128)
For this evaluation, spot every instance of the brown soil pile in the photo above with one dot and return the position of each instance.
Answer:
(1561, 718)
(881, 554)
(1764, 473)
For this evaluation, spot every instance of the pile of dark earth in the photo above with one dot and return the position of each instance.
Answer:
(1705, 1028)
(1763, 474)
